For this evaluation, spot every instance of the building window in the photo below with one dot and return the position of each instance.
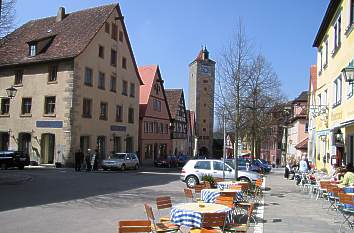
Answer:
(100, 51)
(132, 90)
(157, 88)
(156, 127)
(113, 83)
(117, 144)
(124, 87)
(205, 81)
(114, 31)
(321, 60)
(151, 127)
(113, 58)
(106, 27)
(337, 33)
(161, 128)
(156, 105)
(131, 115)
(87, 108)
(146, 127)
(124, 63)
(103, 111)
(26, 106)
(306, 127)
(18, 77)
(32, 49)
(326, 54)
(101, 80)
(119, 113)
(351, 12)
(88, 76)
(204, 129)
(49, 105)
(337, 90)
(5, 106)
(121, 36)
(53, 71)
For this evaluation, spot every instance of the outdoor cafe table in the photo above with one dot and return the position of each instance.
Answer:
(228, 184)
(190, 214)
(209, 195)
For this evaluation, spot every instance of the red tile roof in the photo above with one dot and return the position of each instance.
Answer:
(173, 98)
(147, 74)
(70, 36)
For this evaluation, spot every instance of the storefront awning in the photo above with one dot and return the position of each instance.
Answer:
(302, 145)
(347, 123)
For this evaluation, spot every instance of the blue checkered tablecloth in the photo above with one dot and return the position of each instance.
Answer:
(183, 214)
(209, 195)
(348, 190)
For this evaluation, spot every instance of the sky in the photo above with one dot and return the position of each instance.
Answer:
(171, 33)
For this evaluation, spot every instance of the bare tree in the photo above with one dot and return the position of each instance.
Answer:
(7, 16)
(247, 89)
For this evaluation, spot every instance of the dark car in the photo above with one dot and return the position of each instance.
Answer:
(169, 161)
(12, 158)
(263, 164)
(244, 164)
(182, 160)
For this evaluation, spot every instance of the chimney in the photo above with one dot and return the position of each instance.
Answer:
(61, 14)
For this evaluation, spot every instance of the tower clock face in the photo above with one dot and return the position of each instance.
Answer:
(205, 69)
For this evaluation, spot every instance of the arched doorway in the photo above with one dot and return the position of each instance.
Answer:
(4, 140)
(24, 142)
(47, 148)
(203, 151)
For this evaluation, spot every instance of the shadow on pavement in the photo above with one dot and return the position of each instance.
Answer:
(47, 186)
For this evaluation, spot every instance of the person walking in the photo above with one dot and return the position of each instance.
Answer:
(303, 166)
(79, 157)
(88, 160)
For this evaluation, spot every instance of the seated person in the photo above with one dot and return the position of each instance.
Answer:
(349, 175)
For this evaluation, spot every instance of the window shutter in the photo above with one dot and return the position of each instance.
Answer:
(349, 9)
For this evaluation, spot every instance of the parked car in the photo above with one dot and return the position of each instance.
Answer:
(194, 170)
(121, 161)
(12, 158)
(244, 164)
(169, 161)
(263, 164)
(182, 160)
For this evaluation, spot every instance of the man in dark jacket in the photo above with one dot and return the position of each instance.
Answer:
(88, 160)
(79, 157)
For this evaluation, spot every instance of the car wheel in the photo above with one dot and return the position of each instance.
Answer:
(245, 179)
(3, 166)
(191, 181)
(136, 166)
(123, 168)
(21, 167)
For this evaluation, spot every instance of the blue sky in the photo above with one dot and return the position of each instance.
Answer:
(170, 33)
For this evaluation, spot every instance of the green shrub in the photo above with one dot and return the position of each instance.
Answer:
(210, 179)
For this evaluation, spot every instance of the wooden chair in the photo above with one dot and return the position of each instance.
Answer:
(198, 189)
(218, 180)
(345, 199)
(188, 194)
(207, 185)
(240, 227)
(159, 226)
(134, 226)
(213, 222)
(226, 200)
(161, 204)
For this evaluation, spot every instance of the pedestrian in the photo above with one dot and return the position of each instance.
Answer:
(95, 160)
(303, 165)
(288, 170)
(88, 160)
(79, 157)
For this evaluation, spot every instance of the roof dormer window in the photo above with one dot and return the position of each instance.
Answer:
(33, 49)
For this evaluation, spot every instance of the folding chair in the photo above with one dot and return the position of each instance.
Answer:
(240, 227)
(347, 211)
(213, 222)
(163, 203)
(159, 226)
(188, 193)
(134, 226)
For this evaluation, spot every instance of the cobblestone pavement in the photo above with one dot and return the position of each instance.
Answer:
(288, 210)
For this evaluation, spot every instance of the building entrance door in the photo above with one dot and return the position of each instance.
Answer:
(24, 142)
(4, 140)
(129, 145)
(101, 146)
(47, 148)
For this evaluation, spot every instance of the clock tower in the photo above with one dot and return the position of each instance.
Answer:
(201, 100)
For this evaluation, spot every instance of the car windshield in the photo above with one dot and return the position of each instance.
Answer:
(117, 156)
(230, 163)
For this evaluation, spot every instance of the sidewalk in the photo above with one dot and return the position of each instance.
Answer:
(288, 210)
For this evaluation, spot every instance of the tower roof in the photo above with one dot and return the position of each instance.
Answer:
(203, 55)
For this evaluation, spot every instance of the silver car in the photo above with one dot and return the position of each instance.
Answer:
(194, 170)
(121, 161)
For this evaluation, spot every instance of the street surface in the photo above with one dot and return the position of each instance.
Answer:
(61, 200)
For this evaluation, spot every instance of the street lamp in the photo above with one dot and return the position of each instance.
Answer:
(348, 72)
(11, 92)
